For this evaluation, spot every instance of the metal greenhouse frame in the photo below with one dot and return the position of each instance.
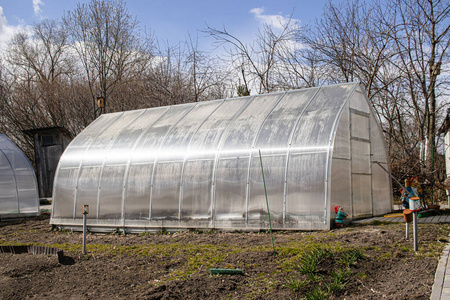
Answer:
(196, 165)
(18, 186)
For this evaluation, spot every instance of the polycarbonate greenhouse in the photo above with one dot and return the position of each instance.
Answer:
(197, 165)
(18, 185)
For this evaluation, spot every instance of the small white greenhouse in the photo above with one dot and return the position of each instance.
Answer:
(18, 186)
(197, 165)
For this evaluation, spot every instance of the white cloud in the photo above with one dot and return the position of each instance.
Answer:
(37, 7)
(7, 31)
(277, 21)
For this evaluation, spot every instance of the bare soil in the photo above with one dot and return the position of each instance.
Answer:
(177, 266)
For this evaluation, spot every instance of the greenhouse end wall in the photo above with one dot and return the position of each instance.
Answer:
(198, 165)
(18, 185)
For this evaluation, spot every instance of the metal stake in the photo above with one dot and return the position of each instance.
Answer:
(407, 231)
(85, 212)
(415, 230)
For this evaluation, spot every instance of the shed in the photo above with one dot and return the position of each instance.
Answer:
(18, 187)
(49, 144)
(197, 165)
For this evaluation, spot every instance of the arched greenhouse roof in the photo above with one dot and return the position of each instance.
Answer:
(197, 165)
(18, 185)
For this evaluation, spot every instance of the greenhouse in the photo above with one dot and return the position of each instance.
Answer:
(18, 185)
(198, 165)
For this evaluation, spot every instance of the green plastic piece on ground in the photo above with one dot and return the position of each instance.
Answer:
(226, 272)
(425, 213)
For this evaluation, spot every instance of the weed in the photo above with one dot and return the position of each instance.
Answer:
(146, 233)
(297, 284)
(349, 258)
(405, 249)
(362, 275)
(385, 255)
(317, 294)
(339, 280)
(310, 260)
(163, 231)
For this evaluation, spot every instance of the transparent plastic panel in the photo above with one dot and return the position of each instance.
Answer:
(177, 142)
(138, 191)
(111, 191)
(241, 135)
(237, 146)
(205, 141)
(27, 187)
(64, 193)
(87, 191)
(8, 195)
(273, 141)
(381, 181)
(378, 146)
(278, 126)
(148, 146)
(341, 193)
(274, 172)
(316, 124)
(166, 191)
(381, 186)
(360, 126)
(360, 157)
(18, 185)
(77, 150)
(138, 177)
(15, 157)
(27, 202)
(173, 151)
(20, 163)
(305, 198)
(358, 100)
(362, 195)
(102, 147)
(231, 178)
(8, 190)
(202, 151)
(196, 195)
(342, 139)
(130, 135)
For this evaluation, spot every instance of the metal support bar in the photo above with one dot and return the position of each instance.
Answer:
(415, 230)
(406, 231)
(395, 179)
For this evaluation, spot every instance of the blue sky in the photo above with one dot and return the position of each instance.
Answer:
(170, 20)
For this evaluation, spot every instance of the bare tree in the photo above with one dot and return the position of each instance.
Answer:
(206, 76)
(259, 60)
(109, 45)
(422, 40)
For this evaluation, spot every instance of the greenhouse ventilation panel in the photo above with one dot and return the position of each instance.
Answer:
(197, 165)
(18, 185)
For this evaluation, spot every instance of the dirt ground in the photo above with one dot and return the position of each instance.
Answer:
(177, 266)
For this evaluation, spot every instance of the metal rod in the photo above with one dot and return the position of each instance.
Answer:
(395, 179)
(407, 231)
(84, 234)
(415, 230)
(267, 201)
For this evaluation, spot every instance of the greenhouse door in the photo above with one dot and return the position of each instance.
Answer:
(361, 166)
